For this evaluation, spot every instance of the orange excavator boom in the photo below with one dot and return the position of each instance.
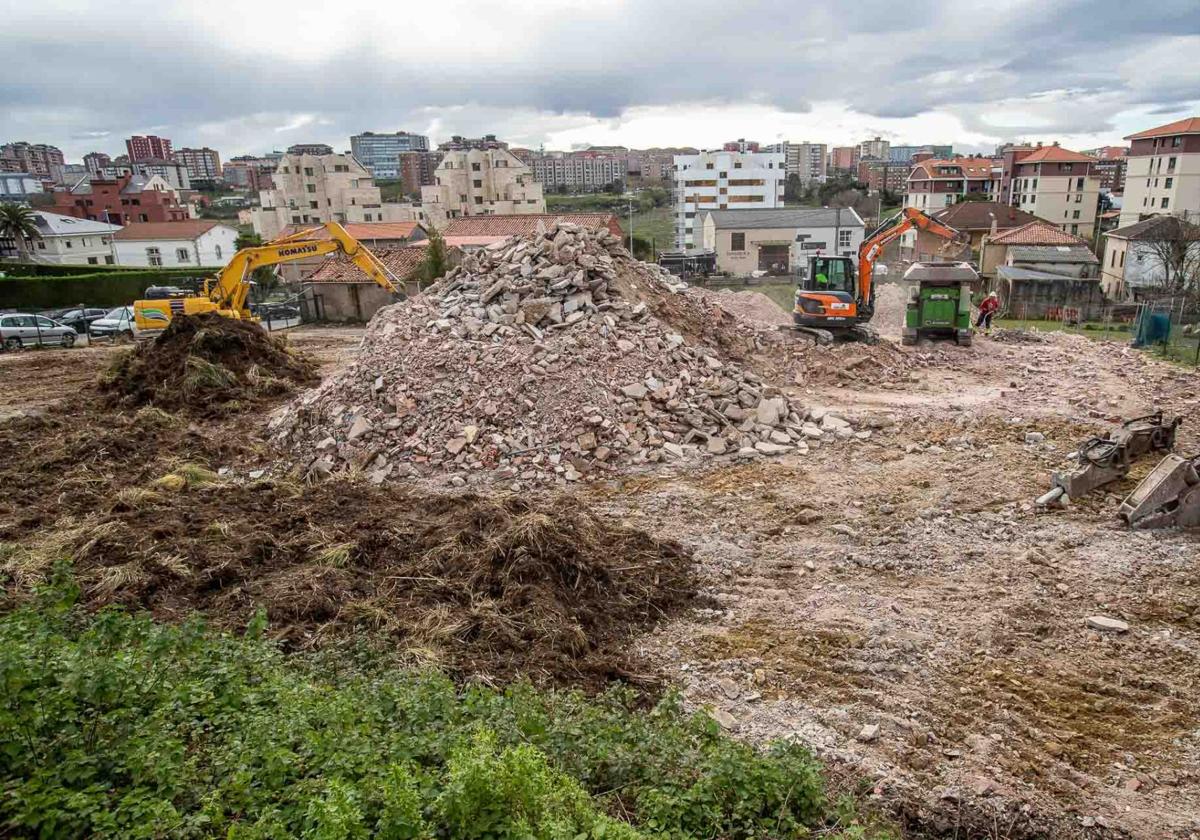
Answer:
(888, 231)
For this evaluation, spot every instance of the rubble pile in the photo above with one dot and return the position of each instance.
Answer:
(542, 358)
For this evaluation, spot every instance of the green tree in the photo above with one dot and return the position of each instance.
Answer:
(793, 189)
(264, 278)
(436, 262)
(18, 223)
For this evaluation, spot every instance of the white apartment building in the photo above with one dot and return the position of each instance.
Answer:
(480, 182)
(1060, 186)
(877, 149)
(724, 181)
(173, 172)
(1162, 173)
(313, 189)
(195, 242)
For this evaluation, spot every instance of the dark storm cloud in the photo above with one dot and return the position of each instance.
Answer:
(124, 69)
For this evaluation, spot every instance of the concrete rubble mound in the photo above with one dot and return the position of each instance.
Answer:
(540, 359)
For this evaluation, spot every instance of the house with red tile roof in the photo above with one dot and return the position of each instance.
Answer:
(1056, 184)
(180, 244)
(1162, 172)
(936, 184)
(339, 291)
(995, 250)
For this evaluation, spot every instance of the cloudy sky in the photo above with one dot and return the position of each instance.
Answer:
(254, 75)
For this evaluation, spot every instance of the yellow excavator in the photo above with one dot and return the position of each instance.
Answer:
(228, 292)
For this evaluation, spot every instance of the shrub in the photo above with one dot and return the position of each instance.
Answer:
(115, 726)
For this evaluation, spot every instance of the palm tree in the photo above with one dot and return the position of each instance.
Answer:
(17, 222)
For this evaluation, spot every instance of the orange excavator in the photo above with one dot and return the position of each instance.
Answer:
(833, 299)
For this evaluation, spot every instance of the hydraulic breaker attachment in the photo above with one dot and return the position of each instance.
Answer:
(1100, 461)
(1168, 497)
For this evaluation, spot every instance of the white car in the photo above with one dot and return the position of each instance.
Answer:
(116, 324)
(19, 329)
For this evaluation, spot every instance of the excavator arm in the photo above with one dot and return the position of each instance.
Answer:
(888, 231)
(231, 287)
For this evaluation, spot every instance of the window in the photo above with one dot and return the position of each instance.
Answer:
(1164, 204)
(1079, 198)
(340, 167)
(737, 165)
(1168, 183)
(93, 261)
(1113, 262)
(474, 167)
(1075, 214)
(1035, 183)
(479, 199)
(313, 205)
(1074, 228)
(153, 256)
(844, 237)
(295, 220)
(41, 245)
(142, 217)
(477, 184)
(108, 260)
(1170, 164)
(283, 169)
(308, 170)
(1122, 259)
(353, 183)
(312, 188)
(182, 255)
(1078, 183)
(737, 241)
(709, 166)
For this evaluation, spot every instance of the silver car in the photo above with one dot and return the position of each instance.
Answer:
(19, 330)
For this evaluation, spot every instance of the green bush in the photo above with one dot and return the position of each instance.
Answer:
(96, 287)
(115, 726)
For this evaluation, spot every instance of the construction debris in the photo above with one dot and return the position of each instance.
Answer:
(541, 359)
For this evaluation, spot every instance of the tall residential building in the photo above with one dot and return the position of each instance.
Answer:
(251, 172)
(741, 145)
(844, 158)
(96, 161)
(724, 181)
(935, 184)
(171, 171)
(876, 149)
(379, 153)
(202, 164)
(587, 170)
(654, 165)
(460, 144)
(417, 170)
(1110, 166)
(905, 154)
(1058, 185)
(316, 149)
(884, 175)
(1162, 174)
(479, 182)
(148, 148)
(808, 160)
(38, 159)
(313, 189)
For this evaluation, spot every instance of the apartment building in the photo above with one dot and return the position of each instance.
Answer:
(486, 143)
(173, 172)
(934, 184)
(122, 200)
(884, 175)
(656, 165)
(582, 171)
(1058, 185)
(905, 154)
(808, 161)
(1162, 173)
(148, 147)
(478, 182)
(313, 189)
(37, 159)
(251, 172)
(877, 149)
(380, 152)
(201, 164)
(315, 149)
(844, 158)
(1110, 167)
(724, 181)
(94, 162)
(417, 170)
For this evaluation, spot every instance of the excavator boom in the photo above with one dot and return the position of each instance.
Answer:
(227, 294)
(888, 231)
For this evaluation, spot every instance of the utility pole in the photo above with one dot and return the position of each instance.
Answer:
(631, 223)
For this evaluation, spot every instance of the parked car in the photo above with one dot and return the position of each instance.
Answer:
(18, 330)
(76, 317)
(116, 323)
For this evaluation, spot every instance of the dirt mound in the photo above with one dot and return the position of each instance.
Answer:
(206, 364)
(891, 303)
(1007, 335)
(486, 587)
(550, 357)
(753, 307)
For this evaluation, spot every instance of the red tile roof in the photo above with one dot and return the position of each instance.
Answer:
(1055, 154)
(978, 215)
(364, 231)
(1191, 125)
(978, 168)
(189, 229)
(1037, 233)
(507, 225)
(402, 262)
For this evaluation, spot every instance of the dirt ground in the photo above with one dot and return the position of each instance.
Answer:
(904, 582)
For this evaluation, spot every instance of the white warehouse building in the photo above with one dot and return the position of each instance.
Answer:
(724, 181)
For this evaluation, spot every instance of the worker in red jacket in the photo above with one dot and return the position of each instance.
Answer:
(987, 311)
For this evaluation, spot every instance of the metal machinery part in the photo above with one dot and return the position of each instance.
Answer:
(1104, 460)
(1168, 497)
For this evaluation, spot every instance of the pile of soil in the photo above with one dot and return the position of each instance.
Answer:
(487, 587)
(207, 364)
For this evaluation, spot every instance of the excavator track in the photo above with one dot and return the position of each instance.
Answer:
(818, 335)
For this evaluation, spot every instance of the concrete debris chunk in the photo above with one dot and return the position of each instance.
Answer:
(1106, 624)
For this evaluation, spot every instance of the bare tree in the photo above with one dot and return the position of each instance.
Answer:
(1173, 249)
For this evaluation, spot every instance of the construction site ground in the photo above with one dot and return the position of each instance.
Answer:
(897, 603)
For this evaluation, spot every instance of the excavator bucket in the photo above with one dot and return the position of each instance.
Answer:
(1168, 497)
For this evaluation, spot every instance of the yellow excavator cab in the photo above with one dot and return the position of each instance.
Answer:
(228, 293)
